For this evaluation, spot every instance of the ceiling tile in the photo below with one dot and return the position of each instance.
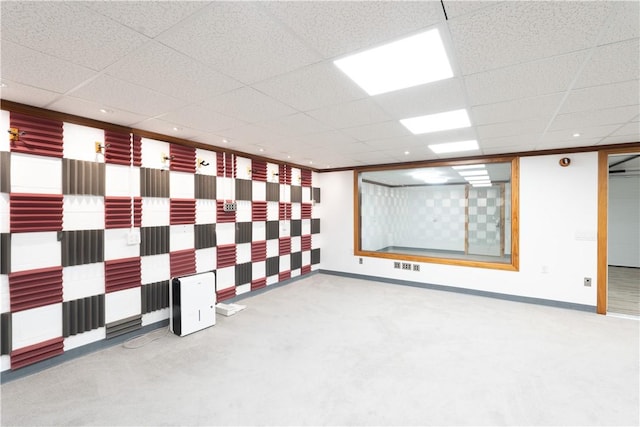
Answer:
(294, 125)
(392, 129)
(538, 107)
(250, 134)
(511, 143)
(617, 62)
(197, 117)
(605, 96)
(586, 134)
(148, 18)
(40, 70)
(167, 128)
(126, 96)
(91, 110)
(350, 114)
(348, 26)
(632, 128)
(624, 23)
(587, 119)
(516, 32)
(312, 87)
(24, 94)
(619, 139)
(166, 71)
(541, 77)
(568, 143)
(69, 31)
(240, 40)
(445, 95)
(510, 129)
(513, 149)
(247, 104)
(457, 8)
(321, 139)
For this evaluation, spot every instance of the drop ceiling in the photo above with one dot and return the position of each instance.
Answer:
(259, 77)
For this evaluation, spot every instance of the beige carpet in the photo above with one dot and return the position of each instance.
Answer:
(329, 350)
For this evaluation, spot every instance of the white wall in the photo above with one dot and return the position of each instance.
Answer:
(558, 229)
(624, 221)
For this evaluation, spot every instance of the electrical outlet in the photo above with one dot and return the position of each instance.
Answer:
(416, 267)
(406, 266)
(230, 207)
(587, 281)
(396, 265)
(360, 261)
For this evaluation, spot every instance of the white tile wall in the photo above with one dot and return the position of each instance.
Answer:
(205, 259)
(35, 250)
(155, 316)
(205, 211)
(4, 213)
(226, 233)
(122, 181)
(243, 253)
(35, 174)
(152, 152)
(156, 211)
(84, 338)
(5, 303)
(272, 171)
(243, 289)
(243, 214)
(285, 262)
(225, 278)
(155, 268)
(181, 237)
(82, 281)
(5, 123)
(122, 304)
(259, 231)
(82, 212)
(79, 142)
(115, 244)
(259, 191)
(209, 157)
(181, 185)
(273, 249)
(258, 270)
(296, 244)
(243, 168)
(36, 325)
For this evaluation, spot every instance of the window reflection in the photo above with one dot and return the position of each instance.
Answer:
(460, 212)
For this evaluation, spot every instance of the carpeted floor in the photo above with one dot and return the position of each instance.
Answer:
(328, 350)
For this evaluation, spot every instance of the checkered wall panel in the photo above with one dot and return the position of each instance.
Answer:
(92, 240)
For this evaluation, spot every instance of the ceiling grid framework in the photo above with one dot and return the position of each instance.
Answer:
(261, 75)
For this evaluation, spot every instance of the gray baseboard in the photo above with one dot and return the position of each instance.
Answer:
(497, 295)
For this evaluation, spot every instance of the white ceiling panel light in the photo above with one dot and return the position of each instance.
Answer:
(454, 147)
(409, 62)
(466, 167)
(448, 120)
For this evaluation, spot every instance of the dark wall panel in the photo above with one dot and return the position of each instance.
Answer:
(82, 315)
(205, 187)
(5, 172)
(244, 189)
(315, 226)
(5, 253)
(273, 266)
(154, 240)
(296, 227)
(315, 256)
(296, 260)
(243, 273)
(273, 192)
(205, 236)
(5, 333)
(244, 232)
(155, 296)
(121, 327)
(296, 194)
(82, 177)
(154, 183)
(273, 230)
(82, 247)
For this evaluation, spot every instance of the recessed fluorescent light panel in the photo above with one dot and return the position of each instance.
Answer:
(464, 167)
(454, 147)
(412, 61)
(448, 120)
(474, 173)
